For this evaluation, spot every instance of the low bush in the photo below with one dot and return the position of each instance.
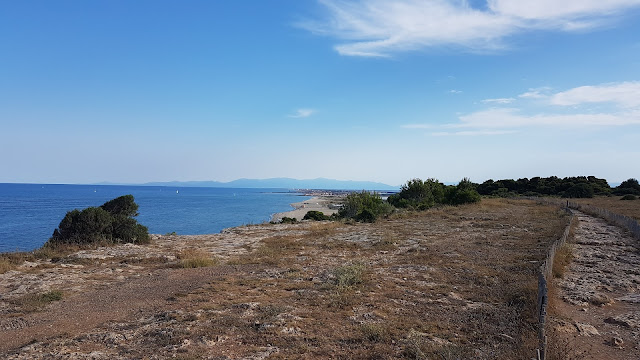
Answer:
(628, 187)
(463, 193)
(581, 190)
(419, 194)
(348, 275)
(315, 215)
(288, 220)
(34, 302)
(112, 222)
(422, 195)
(364, 206)
(629, 197)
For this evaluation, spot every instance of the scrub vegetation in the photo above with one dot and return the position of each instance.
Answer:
(113, 222)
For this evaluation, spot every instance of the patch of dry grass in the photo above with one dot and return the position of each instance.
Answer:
(271, 251)
(10, 261)
(33, 302)
(5, 265)
(322, 229)
(564, 256)
(614, 204)
(195, 258)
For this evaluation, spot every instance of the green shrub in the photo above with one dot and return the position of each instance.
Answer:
(629, 197)
(90, 225)
(122, 206)
(580, 190)
(463, 193)
(419, 194)
(288, 220)
(422, 195)
(111, 222)
(628, 187)
(364, 206)
(315, 215)
(51, 296)
(126, 229)
(349, 275)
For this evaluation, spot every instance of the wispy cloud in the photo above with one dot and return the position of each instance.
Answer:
(624, 94)
(473, 133)
(513, 118)
(537, 93)
(418, 126)
(385, 27)
(625, 97)
(498, 101)
(557, 110)
(302, 113)
(454, 91)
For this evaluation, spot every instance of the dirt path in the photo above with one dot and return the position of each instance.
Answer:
(115, 302)
(598, 301)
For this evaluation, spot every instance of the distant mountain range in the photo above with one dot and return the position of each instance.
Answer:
(283, 183)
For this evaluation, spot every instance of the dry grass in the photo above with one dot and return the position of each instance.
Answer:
(5, 265)
(447, 283)
(10, 261)
(453, 282)
(34, 302)
(195, 258)
(271, 251)
(320, 229)
(629, 208)
(564, 256)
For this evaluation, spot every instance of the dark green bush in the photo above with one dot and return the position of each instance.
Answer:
(122, 206)
(537, 186)
(629, 197)
(364, 206)
(90, 225)
(463, 193)
(580, 190)
(418, 194)
(111, 222)
(128, 230)
(630, 186)
(315, 215)
(288, 220)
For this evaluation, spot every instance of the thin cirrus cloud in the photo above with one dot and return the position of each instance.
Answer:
(302, 113)
(513, 118)
(384, 27)
(498, 101)
(539, 93)
(624, 96)
(473, 133)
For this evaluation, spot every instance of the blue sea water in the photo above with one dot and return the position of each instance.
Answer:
(30, 212)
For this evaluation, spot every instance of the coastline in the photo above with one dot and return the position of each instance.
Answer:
(316, 203)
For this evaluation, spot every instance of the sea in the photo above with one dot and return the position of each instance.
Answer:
(30, 212)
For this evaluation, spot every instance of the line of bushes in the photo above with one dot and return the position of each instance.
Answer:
(415, 194)
(568, 187)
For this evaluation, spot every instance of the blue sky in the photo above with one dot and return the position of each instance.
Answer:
(137, 91)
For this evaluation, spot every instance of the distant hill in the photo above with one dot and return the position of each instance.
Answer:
(283, 183)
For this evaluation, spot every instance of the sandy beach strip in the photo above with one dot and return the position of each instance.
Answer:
(317, 203)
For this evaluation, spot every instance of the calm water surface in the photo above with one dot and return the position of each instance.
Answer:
(30, 212)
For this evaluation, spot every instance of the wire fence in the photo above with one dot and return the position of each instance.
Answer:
(545, 271)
